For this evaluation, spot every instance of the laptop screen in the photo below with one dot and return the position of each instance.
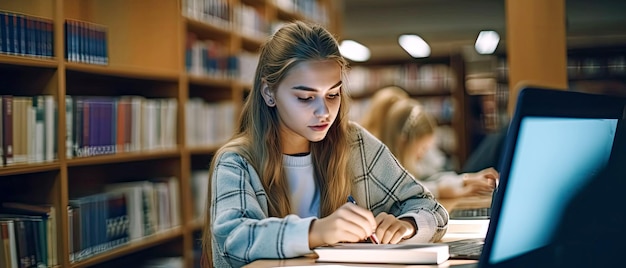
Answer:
(553, 159)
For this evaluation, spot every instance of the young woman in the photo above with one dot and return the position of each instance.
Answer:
(280, 186)
(409, 131)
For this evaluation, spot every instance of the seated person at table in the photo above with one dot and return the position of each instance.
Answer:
(279, 186)
(409, 131)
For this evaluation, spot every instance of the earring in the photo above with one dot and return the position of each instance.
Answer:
(270, 101)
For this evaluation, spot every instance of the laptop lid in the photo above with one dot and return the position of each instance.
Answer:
(556, 142)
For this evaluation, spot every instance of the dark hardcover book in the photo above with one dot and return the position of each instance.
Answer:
(21, 22)
(81, 226)
(94, 127)
(86, 109)
(30, 37)
(117, 223)
(15, 31)
(2, 32)
(40, 31)
(49, 38)
(128, 125)
(104, 47)
(7, 128)
(107, 126)
(82, 41)
(67, 31)
(21, 239)
(77, 131)
(89, 43)
(120, 123)
(8, 30)
(76, 226)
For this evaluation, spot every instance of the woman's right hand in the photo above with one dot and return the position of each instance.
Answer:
(349, 223)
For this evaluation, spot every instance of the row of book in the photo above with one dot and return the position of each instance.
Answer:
(28, 129)
(220, 13)
(413, 77)
(99, 125)
(25, 35)
(86, 42)
(312, 9)
(252, 21)
(216, 12)
(209, 58)
(27, 235)
(209, 123)
(122, 213)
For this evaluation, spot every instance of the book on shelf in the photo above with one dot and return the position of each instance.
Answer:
(98, 223)
(26, 122)
(86, 42)
(152, 205)
(49, 231)
(7, 129)
(25, 35)
(8, 250)
(99, 125)
(408, 253)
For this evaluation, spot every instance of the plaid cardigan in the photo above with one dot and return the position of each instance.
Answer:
(243, 232)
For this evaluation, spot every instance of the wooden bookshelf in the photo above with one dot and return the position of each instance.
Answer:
(146, 45)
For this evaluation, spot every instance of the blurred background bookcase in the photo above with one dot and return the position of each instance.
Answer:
(181, 68)
(436, 82)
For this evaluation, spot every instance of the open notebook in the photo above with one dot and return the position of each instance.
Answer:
(557, 142)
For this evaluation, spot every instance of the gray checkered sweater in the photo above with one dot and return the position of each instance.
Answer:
(242, 232)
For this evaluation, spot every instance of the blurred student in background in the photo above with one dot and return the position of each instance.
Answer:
(409, 132)
(379, 105)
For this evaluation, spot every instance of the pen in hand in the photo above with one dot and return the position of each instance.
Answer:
(373, 236)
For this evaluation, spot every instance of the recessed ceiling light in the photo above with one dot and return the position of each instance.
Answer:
(354, 50)
(414, 45)
(487, 42)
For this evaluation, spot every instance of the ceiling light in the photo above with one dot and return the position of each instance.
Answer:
(354, 50)
(414, 45)
(487, 42)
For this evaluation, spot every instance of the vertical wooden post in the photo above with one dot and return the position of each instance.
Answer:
(536, 45)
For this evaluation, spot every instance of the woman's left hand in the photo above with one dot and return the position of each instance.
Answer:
(392, 230)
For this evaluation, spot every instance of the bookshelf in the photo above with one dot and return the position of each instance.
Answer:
(154, 58)
(436, 82)
(599, 70)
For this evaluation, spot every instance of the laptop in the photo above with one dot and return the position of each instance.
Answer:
(556, 144)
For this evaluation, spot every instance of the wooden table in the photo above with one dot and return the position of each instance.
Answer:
(309, 260)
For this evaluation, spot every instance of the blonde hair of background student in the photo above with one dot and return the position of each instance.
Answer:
(409, 132)
(378, 107)
(298, 109)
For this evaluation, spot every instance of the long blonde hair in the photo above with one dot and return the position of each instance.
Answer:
(380, 103)
(257, 135)
(406, 121)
